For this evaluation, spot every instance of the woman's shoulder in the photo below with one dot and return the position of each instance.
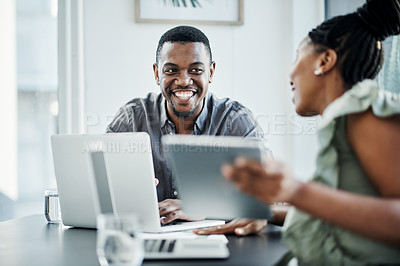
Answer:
(376, 142)
(363, 96)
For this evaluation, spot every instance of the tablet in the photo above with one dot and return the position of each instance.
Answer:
(195, 162)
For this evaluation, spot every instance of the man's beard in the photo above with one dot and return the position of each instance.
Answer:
(183, 114)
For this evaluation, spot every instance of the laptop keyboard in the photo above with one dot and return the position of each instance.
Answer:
(159, 245)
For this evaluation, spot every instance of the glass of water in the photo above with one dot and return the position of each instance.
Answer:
(118, 239)
(52, 206)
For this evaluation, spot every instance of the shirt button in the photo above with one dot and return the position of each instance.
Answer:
(176, 193)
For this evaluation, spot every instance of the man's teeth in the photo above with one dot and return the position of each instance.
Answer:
(183, 94)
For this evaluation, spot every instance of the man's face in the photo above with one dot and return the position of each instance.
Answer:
(183, 74)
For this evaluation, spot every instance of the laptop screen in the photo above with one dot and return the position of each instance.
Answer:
(101, 180)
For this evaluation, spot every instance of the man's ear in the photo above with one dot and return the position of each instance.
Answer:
(327, 61)
(156, 76)
(212, 69)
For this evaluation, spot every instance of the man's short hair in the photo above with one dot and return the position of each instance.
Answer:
(183, 34)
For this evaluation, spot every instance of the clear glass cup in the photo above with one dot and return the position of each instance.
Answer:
(52, 210)
(118, 240)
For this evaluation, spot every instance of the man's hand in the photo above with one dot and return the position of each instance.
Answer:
(240, 227)
(171, 210)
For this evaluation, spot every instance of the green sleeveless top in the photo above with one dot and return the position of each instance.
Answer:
(313, 241)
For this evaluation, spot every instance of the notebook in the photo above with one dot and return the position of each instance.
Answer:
(196, 163)
(123, 158)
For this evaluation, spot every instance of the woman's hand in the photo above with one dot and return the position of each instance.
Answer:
(269, 183)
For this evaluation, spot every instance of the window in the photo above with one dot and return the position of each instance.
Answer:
(35, 31)
(389, 75)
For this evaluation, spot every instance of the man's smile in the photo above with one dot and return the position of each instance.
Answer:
(184, 95)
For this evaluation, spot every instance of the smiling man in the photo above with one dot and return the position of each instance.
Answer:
(184, 68)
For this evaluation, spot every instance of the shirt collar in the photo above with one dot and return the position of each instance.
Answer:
(201, 119)
(164, 120)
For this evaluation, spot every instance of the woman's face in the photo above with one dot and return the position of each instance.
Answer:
(305, 85)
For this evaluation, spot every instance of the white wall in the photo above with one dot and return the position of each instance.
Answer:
(253, 61)
(303, 142)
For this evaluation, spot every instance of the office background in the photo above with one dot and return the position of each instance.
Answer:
(103, 58)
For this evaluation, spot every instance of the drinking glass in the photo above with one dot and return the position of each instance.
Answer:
(118, 240)
(52, 206)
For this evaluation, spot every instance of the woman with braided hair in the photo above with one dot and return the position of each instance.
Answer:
(349, 212)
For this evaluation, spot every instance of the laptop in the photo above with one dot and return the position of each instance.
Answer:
(126, 159)
(196, 163)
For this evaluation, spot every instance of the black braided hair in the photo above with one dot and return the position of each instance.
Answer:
(183, 34)
(356, 38)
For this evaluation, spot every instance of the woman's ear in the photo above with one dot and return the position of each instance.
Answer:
(327, 61)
